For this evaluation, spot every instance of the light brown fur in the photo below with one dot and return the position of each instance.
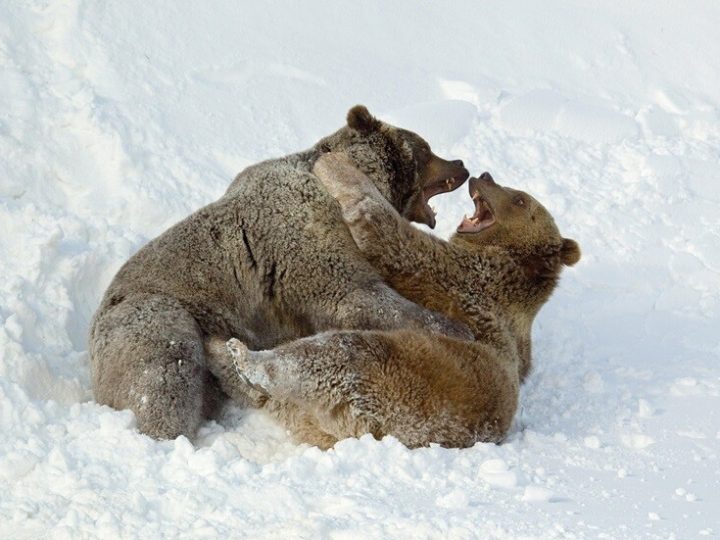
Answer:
(417, 386)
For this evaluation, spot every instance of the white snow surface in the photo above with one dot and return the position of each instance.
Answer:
(121, 118)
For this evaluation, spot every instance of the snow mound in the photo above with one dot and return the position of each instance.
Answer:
(547, 111)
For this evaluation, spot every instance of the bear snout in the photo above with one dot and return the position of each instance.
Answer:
(487, 178)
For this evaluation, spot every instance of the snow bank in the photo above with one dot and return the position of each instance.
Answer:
(122, 118)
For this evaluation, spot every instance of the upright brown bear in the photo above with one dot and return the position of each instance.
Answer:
(269, 262)
(494, 275)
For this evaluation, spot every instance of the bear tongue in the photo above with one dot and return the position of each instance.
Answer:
(481, 219)
(421, 212)
(430, 215)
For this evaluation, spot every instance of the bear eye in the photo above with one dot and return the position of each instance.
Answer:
(519, 201)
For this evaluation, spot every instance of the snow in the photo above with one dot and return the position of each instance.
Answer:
(121, 118)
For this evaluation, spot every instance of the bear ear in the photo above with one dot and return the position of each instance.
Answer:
(360, 119)
(569, 252)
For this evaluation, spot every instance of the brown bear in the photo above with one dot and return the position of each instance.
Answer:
(270, 261)
(494, 275)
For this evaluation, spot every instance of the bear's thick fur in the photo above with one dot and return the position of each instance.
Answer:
(494, 275)
(270, 261)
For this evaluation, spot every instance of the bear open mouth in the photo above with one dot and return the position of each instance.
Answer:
(436, 188)
(481, 219)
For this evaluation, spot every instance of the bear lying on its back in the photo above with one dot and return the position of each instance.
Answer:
(494, 275)
(268, 262)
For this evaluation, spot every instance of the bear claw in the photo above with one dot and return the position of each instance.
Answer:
(238, 351)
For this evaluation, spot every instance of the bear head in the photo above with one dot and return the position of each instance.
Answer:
(513, 222)
(399, 162)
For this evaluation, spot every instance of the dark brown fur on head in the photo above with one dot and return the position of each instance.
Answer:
(399, 162)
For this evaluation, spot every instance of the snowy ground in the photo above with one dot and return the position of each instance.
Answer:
(120, 118)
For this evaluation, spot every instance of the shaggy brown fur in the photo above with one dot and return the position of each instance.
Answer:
(269, 262)
(494, 275)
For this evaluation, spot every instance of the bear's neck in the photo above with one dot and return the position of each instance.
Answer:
(516, 282)
(504, 297)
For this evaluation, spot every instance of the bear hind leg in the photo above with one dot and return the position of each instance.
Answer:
(147, 356)
(322, 376)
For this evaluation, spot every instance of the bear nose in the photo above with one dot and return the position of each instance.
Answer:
(487, 178)
(458, 163)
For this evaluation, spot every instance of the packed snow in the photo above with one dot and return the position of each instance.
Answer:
(121, 118)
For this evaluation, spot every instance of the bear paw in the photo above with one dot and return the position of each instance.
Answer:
(239, 353)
